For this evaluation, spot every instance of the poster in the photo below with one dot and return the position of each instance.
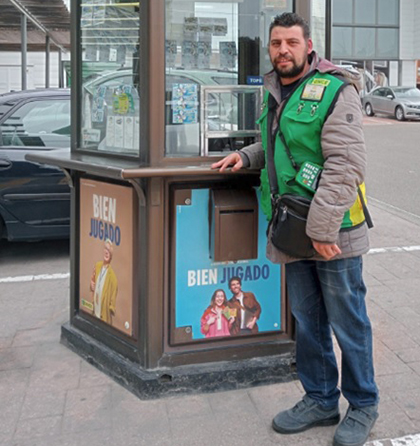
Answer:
(203, 56)
(184, 104)
(171, 50)
(106, 253)
(228, 55)
(189, 54)
(208, 294)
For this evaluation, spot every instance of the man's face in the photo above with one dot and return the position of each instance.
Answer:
(107, 253)
(235, 286)
(289, 51)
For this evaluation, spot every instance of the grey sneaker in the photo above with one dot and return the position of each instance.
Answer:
(356, 426)
(305, 414)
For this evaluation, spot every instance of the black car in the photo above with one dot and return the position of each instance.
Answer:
(34, 198)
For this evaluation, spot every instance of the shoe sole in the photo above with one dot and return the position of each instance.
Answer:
(328, 422)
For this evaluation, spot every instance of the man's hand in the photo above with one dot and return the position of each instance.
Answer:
(251, 323)
(234, 160)
(326, 250)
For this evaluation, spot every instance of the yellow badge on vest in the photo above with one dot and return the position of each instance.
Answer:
(313, 92)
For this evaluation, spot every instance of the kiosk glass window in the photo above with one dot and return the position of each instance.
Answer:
(110, 112)
(215, 44)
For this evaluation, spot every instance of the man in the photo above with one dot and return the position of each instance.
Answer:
(319, 117)
(248, 309)
(104, 286)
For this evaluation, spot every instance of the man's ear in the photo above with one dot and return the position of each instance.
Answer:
(310, 46)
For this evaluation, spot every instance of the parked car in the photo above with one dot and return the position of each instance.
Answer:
(401, 102)
(34, 198)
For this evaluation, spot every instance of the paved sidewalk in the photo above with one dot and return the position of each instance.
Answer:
(49, 396)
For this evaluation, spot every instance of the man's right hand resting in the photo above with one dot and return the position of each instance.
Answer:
(234, 160)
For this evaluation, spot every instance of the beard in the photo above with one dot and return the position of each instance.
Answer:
(291, 72)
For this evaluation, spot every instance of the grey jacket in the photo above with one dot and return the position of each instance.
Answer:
(344, 151)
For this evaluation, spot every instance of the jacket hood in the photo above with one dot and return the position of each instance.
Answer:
(325, 66)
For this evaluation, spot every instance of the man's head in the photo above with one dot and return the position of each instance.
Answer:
(108, 250)
(289, 46)
(235, 285)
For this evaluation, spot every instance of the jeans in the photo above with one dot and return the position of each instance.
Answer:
(325, 295)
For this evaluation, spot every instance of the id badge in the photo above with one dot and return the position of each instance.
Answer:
(309, 175)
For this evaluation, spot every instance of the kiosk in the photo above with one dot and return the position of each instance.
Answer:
(161, 244)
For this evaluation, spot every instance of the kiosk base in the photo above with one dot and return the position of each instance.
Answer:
(196, 378)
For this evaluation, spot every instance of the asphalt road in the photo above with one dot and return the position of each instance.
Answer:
(393, 175)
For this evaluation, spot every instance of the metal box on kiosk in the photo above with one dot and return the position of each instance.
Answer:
(170, 287)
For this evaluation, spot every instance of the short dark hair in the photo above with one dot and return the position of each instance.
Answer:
(289, 19)
(238, 279)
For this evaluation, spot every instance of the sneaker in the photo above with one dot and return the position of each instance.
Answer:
(305, 414)
(356, 426)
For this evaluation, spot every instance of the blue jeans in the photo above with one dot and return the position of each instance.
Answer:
(325, 295)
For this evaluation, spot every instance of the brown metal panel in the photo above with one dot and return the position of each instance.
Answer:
(153, 304)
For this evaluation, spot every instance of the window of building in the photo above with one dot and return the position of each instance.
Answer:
(374, 26)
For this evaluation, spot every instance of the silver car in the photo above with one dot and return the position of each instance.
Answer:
(402, 102)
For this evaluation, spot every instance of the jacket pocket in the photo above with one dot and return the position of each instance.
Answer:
(302, 130)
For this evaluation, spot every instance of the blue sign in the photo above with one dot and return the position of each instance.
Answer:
(255, 80)
(207, 305)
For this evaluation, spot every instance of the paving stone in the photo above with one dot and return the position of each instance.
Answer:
(387, 362)
(409, 355)
(392, 385)
(92, 377)
(131, 413)
(36, 336)
(38, 427)
(17, 358)
(237, 401)
(144, 438)
(82, 423)
(43, 404)
(416, 367)
(269, 400)
(5, 342)
(188, 406)
(85, 402)
(53, 440)
(409, 402)
(392, 422)
(64, 376)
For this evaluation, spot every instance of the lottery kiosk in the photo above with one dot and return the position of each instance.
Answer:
(170, 289)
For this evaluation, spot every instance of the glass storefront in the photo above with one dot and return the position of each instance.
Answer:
(110, 115)
(214, 44)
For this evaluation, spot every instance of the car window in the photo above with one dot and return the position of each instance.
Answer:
(6, 106)
(379, 92)
(39, 123)
(408, 93)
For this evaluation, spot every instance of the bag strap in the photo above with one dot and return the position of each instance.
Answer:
(271, 168)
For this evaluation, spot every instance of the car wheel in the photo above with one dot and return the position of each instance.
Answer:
(369, 109)
(399, 114)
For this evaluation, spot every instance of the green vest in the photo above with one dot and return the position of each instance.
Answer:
(301, 122)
